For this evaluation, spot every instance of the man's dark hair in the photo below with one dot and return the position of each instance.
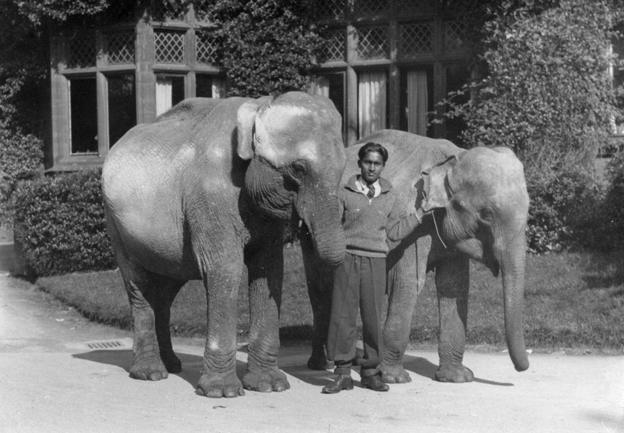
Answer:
(373, 147)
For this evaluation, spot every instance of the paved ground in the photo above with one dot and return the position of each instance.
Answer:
(57, 375)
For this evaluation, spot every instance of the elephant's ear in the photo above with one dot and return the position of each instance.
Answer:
(245, 120)
(436, 184)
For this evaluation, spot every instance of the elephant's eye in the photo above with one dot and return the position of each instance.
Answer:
(294, 174)
(299, 168)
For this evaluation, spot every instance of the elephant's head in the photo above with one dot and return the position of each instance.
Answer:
(294, 142)
(485, 201)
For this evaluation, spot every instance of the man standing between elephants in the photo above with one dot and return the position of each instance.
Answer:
(371, 217)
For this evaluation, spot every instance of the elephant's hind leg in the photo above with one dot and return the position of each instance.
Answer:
(160, 297)
(452, 281)
(142, 293)
(147, 363)
(403, 274)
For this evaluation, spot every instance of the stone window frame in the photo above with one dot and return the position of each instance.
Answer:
(442, 55)
(144, 68)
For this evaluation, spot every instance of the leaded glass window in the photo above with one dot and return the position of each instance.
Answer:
(121, 105)
(120, 47)
(81, 50)
(372, 42)
(83, 112)
(169, 46)
(334, 47)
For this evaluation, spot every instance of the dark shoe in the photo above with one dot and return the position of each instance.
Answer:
(342, 381)
(375, 383)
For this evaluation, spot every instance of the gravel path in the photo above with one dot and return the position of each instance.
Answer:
(61, 373)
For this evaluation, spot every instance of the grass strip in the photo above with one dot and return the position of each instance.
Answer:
(572, 300)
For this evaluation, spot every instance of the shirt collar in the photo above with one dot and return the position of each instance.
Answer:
(382, 185)
(363, 187)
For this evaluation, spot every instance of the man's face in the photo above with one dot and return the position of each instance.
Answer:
(371, 167)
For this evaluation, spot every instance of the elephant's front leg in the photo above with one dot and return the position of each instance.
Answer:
(265, 269)
(319, 279)
(218, 377)
(452, 281)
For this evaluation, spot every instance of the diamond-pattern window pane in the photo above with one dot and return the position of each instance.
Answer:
(415, 38)
(331, 9)
(370, 7)
(120, 49)
(205, 47)
(372, 42)
(81, 50)
(454, 35)
(169, 46)
(334, 46)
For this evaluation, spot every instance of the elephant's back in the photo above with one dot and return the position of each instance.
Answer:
(196, 134)
(408, 155)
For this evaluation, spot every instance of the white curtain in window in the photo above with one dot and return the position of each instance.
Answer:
(217, 87)
(371, 102)
(164, 93)
(417, 102)
(320, 86)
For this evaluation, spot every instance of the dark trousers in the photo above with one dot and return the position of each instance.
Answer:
(358, 282)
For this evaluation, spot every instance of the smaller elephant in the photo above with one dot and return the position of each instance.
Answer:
(204, 192)
(479, 209)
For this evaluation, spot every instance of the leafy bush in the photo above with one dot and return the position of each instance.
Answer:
(612, 212)
(564, 211)
(59, 224)
(545, 92)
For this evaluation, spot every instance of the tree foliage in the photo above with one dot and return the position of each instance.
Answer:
(265, 46)
(545, 92)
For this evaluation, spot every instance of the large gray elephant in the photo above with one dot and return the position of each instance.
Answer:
(479, 205)
(202, 192)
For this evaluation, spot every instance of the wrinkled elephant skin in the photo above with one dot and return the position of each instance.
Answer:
(206, 190)
(479, 209)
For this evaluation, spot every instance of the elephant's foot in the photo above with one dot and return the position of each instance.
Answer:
(394, 373)
(171, 361)
(266, 381)
(217, 385)
(148, 367)
(455, 373)
(318, 360)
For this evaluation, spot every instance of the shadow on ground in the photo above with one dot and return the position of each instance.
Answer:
(297, 367)
(424, 367)
(191, 364)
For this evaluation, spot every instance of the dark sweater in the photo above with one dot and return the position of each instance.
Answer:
(369, 224)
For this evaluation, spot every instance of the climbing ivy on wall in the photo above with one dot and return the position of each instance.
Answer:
(265, 46)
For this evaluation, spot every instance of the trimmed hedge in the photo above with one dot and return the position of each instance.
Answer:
(21, 158)
(59, 224)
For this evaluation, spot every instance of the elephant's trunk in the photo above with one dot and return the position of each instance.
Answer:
(321, 213)
(512, 261)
